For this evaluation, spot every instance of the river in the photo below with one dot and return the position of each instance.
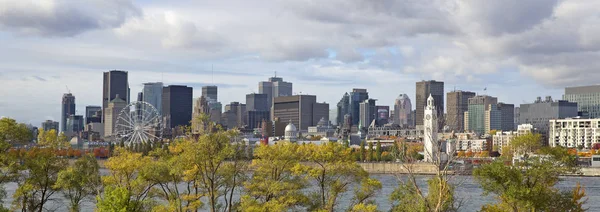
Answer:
(468, 191)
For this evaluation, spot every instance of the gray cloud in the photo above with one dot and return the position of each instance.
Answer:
(63, 18)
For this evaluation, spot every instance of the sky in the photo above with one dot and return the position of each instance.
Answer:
(517, 49)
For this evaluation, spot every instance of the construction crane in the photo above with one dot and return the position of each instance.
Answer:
(68, 90)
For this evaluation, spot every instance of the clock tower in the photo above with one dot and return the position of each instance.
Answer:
(430, 130)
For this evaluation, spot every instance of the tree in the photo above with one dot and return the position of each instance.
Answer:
(14, 133)
(362, 151)
(80, 181)
(529, 184)
(36, 177)
(125, 167)
(52, 139)
(371, 156)
(274, 186)
(334, 171)
(379, 151)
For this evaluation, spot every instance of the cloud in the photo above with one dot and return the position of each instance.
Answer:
(63, 18)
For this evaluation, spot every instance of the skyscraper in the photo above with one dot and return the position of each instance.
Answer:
(478, 106)
(486, 114)
(423, 90)
(257, 102)
(357, 96)
(111, 114)
(235, 115)
(343, 108)
(302, 110)
(115, 83)
(68, 108)
(152, 94)
(50, 125)
(402, 111)
(275, 87)
(177, 105)
(507, 119)
(90, 114)
(586, 97)
(456, 106)
(74, 125)
(383, 114)
(210, 93)
(540, 112)
(368, 112)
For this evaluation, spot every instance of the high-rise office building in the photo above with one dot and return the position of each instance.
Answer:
(152, 94)
(456, 105)
(301, 110)
(210, 93)
(115, 83)
(507, 116)
(50, 125)
(383, 114)
(357, 96)
(343, 108)
(402, 111)
(91, 114)
(423, 90)
(257, 102)
(275, 87)
(75, 124)
(368, 112)
(68, 108)
(479, 112)
(177, 105)
(234, 115)
(586, 97)
(540, 112)
(111, 114)
(254, 118)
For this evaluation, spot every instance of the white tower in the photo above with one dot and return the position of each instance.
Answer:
(430, 126)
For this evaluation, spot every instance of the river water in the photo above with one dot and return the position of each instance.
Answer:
(467, 190)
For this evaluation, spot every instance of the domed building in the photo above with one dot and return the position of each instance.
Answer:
(291, 133)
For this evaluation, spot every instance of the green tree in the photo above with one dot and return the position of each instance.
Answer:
(52, 139)
(363, 154)
(80, 181)
(14, 133)
(125, 167)
(37, 176)
(529, 184)
(274, 186)
(371, 156)
(334, 171)
(115, 199)
(379, 151)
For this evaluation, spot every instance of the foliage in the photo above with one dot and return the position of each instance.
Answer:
(363, 155)
(124, 169)
(80, 181)
(409, 197)
(334, 172)
(371, 156)
(523, 145)
(274, 186)
(36, 173)
(116, 199)
(529, 184)
(379, 151)
(52, 139)
(14, 133)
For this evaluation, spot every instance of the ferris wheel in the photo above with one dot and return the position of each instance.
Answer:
(139, 122)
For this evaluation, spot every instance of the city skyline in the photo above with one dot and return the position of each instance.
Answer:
(427, 44)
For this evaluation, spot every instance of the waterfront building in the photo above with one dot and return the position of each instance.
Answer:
(503, 138)
(430, 127)
(574, 132)
(540, 112)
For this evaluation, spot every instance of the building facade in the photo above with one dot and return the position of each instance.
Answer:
(424, 89)
(456, 105)
(586, 97)
(210, 93)
(301, 110)
(403, 111)
(574, 133)
(275, 87)
(430, 127)
(75, 125)
(91, 114)
(68, 109)
(114, 83)
(357, 96)
(477, 118)
(235, 115)
(503, 138)
(257, 102)
(50, 125)
(368, 112)
(383, 114)
(177, 105)
(343, 108)
(152, 94)
(539, 113)
(254, 118)
(111, 114)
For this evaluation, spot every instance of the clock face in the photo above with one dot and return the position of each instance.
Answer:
(428, 117)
